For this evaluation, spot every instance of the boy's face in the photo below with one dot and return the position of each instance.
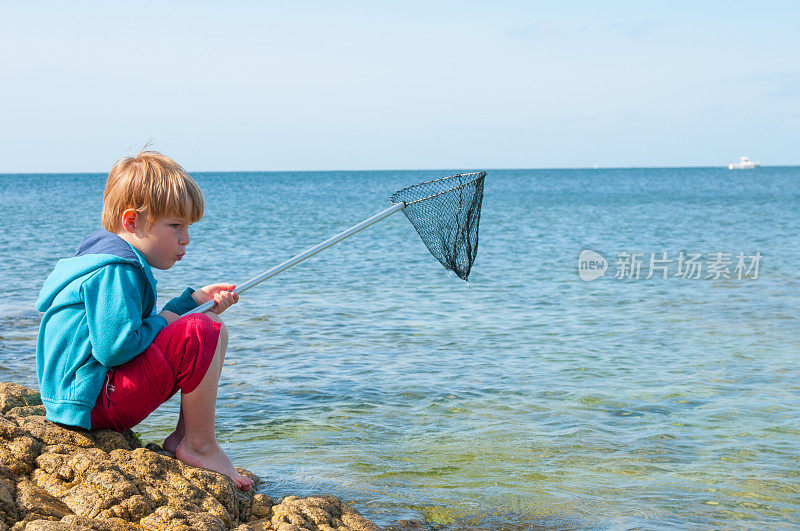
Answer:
(162, 243)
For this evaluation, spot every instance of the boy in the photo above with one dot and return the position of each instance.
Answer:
(104, 359)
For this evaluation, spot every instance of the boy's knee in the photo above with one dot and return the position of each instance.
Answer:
(223, 333)
(202, 320)
(217, 319)
(223, 330)
(211, 315)
(202, 341)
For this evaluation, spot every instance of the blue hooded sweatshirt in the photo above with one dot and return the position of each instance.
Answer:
(98, 314)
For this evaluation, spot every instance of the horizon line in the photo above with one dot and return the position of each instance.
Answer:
(543, 168)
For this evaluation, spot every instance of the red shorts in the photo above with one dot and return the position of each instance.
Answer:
(178, 358)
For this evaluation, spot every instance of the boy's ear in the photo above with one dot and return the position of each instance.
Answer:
(131, 220)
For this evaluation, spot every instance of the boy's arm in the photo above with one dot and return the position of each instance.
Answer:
(114, 303)
(190, 299)
(182, 304)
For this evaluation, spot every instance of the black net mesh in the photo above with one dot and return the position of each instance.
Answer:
(446, 213)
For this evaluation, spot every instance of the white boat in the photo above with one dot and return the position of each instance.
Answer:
(743, 164)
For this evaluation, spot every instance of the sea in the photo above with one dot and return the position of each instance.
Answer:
(625, 354)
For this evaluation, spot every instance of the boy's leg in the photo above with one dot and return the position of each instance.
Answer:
(187, 355)
(177, 359)
(174, 439)
(198, 446)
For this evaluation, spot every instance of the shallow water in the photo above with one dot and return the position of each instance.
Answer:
(528, 399)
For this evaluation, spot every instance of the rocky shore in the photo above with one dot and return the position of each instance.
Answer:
(52, 478)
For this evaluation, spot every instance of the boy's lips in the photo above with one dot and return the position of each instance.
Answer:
(179, 256)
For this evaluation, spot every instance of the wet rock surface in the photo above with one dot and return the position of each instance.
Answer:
(53, 478)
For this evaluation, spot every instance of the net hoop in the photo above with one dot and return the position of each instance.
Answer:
(475, 177)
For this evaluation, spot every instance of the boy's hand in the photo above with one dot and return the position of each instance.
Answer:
(171, 317)
(222, 294)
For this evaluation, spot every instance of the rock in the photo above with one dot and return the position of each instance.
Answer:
(13, 395)
(54, 478)
(108, 440)
(73, 522)
(176, 520)
(8, 508)
(26, 411)
(50, 433)
(262, 524)
(353, 520)
(318, 512)
(31, 500)
(17, 455)
(153, 447)
(262, 506)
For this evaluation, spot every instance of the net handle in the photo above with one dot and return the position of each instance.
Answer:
(308, 253)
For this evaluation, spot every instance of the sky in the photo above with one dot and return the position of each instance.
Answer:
(349, 85)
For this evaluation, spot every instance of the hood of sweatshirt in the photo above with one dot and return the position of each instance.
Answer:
(96, 250)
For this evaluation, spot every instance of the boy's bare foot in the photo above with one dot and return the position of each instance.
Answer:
(172, 441)
(212, 457)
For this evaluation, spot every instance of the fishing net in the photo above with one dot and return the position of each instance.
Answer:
(446, 212)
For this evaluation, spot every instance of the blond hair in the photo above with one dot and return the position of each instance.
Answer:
(152, 184)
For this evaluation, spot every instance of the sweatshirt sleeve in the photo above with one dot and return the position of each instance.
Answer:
(181, 304)
(113, 300)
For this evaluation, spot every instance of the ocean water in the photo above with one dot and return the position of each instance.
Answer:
(528, 398)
